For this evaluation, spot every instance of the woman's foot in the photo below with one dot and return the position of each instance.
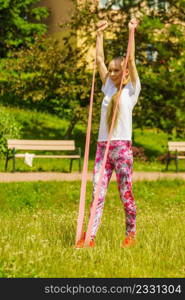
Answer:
(129, 241)
(80, 243)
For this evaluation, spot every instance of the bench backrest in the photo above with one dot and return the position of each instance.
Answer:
(41, 144)
(179, 146)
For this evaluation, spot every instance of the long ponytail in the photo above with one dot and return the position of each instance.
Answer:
(113, 101)
(110, 112)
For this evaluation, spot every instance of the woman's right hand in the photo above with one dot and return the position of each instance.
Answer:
(102, 25)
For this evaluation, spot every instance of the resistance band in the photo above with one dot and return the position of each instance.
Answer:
(80, 221)
(85, 167)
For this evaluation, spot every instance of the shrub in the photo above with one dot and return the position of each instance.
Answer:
(139, 153)
(9, 128)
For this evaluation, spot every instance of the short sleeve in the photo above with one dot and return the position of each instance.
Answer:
(135, 91)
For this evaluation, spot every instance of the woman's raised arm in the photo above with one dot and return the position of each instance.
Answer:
(100, 52)
(131, 61)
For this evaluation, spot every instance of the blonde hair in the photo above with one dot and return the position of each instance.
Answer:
(113, 101)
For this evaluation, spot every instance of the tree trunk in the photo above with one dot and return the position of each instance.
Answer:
(69, 130)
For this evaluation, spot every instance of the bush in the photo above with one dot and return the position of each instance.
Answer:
(9, 129)
(162, 158)
(139, 153)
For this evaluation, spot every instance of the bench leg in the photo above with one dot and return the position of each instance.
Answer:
(176, 163)
(167, 163)
(14, 165)
(6, 161)
(71, 165)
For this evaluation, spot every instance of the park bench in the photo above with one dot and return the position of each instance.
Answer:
(13, 146)
(176, 151)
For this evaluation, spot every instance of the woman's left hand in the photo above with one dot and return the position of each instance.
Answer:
(133, 23)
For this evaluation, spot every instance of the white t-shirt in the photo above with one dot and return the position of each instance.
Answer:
(128, 99)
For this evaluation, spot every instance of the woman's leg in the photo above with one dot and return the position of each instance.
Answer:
(105, 181)
(123, 168)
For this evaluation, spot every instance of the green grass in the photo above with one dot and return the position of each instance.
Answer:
(38, 224)
(62, 165)
(38, 125)
(154, 142)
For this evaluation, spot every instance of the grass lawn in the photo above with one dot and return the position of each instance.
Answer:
(62, 165)
(38, 225)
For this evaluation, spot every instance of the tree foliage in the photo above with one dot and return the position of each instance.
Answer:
(58, 80)
(20, 20)
(160, 55)
(9, 129)
(45, 77)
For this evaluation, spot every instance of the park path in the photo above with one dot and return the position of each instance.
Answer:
(53, 176)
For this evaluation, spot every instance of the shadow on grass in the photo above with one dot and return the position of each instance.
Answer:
(150, 153)
(44, 133)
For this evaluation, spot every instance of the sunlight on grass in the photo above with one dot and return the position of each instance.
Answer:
(38, 224)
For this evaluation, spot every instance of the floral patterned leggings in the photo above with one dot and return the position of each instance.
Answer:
(120, 158)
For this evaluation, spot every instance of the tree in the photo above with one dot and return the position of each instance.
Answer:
(47, 77)
(160, 54)
(161, 33)
(20, 20)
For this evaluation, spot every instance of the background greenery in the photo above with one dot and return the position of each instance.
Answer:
(44, 94)
(35, 75)
(9, 127)
(20, 21)
(37, 125)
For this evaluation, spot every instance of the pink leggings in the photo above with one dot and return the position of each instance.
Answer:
(120, 158)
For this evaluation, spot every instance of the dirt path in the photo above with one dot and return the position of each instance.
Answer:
(52, 176)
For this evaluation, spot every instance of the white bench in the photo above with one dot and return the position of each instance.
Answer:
(176, 148)
(42, 145)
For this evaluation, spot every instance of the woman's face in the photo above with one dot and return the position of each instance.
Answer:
(116, 71)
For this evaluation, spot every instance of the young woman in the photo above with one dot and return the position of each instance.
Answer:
(120, 156)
